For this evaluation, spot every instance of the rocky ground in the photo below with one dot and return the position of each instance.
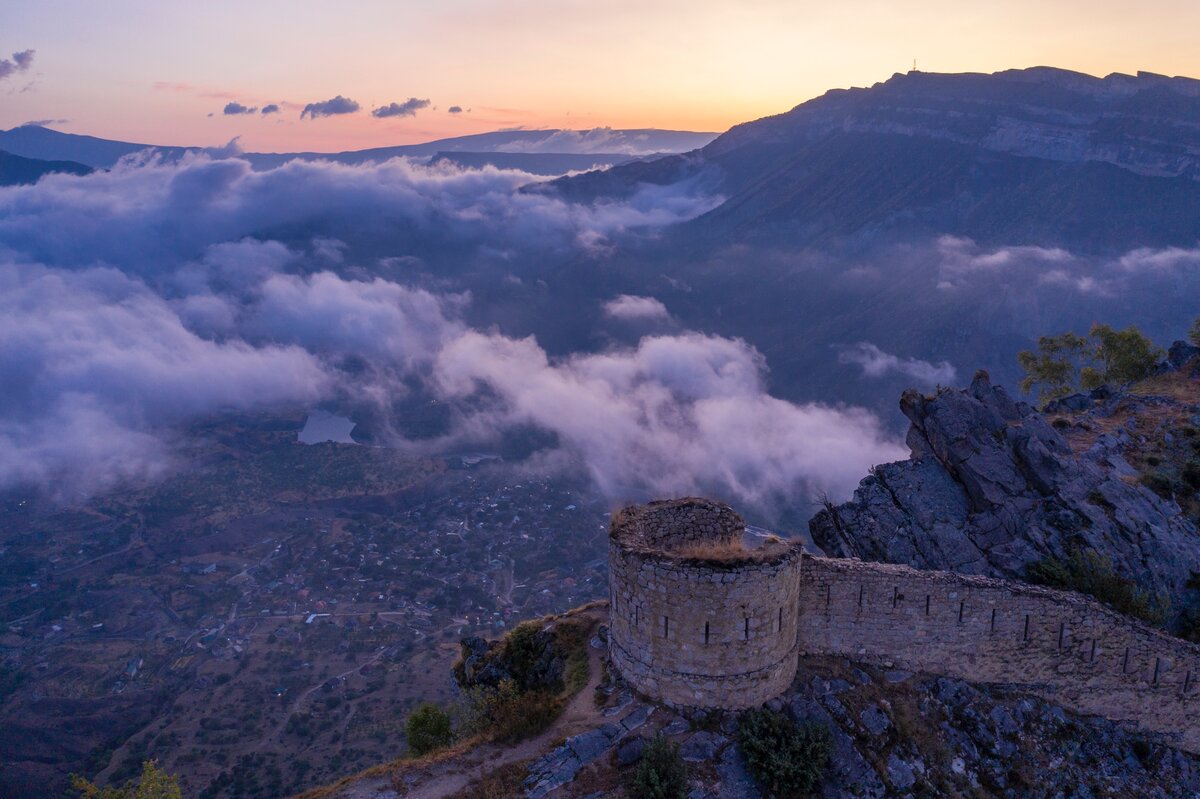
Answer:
(992, 484)
(895, 735)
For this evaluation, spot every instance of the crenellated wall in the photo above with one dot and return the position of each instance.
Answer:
(1059, 645)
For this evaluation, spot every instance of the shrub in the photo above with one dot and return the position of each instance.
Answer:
(661, 772)
(154, 783)
(1191, 475)
(428, 728)
(787, 759)
(507, 713)
(1089, 572)
(1158, 483)
(523, 649)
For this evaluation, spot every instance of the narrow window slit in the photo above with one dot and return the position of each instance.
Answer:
(780, 620)
(1187, 681)
(706, 632)
(1062, 631)
(1025, 635)
(993, 622)
(895, 596)
(1157, 663)
(927, 604)
(1092, 657)
(746, 628)
(962, 606)
(1125, 662)
(860, 596)
(666, 627)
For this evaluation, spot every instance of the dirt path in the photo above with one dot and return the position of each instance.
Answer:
(444, 779)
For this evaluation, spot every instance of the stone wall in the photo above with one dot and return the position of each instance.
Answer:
(675, 523)
(1062, 646)
(700, 632)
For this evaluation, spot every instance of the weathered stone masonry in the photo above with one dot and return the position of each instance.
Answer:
(1062, 646)
(713, 632)
(693, 631)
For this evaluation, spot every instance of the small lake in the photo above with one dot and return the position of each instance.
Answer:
(322, 426)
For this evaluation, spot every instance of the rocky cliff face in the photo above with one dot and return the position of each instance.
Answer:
(992, 486)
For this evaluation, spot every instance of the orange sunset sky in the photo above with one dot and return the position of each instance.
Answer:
(155, 71)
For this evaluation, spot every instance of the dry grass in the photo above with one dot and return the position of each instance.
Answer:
(506, 782)
(400, 765)
(715, 550)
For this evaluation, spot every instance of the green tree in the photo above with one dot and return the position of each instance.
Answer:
(154, 783)
(661, 773)
(787, 759)
(1194, 333)
(1127, 355)
(1069, 362)
(428, 728)
(1055, 369)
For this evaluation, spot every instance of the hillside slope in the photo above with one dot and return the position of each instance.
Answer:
(1039, 156)
(16, 170)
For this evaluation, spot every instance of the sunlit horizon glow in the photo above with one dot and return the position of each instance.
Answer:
(153, 72)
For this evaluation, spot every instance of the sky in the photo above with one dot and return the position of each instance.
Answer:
(164, 72)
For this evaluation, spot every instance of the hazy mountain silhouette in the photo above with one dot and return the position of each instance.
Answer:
(16, 170)
(1039, 156)
(603, 146)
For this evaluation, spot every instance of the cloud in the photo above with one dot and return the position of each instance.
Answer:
(155, 294)
(42, 123)
(233, 108)
(21, 62)
(148, 217)
(630, 307)
(408, 108)
(270, 108)
(95, 364)
(877, 363)
(328, 108)
(675, 415)
(454, 109)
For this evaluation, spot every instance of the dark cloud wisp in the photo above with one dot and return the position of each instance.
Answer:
(270, 108)
(335, 106)
(408, 108)
(21, 62)
(236, 108)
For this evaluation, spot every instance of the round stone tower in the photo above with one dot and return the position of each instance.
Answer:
(697, 619)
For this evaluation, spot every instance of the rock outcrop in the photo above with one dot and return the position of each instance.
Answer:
(991, 486)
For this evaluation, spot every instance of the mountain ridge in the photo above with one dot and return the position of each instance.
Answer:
(1040, 156)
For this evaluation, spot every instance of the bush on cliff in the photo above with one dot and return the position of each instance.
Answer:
(506, 713)
(1089, 572)
(787, 759)
(1068, 362)
(153, 783)
(661, 772)
(516, 687)
(428, 728)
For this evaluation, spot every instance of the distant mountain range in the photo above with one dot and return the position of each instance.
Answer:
(1038, 155)
(538, 151)
(16, 169)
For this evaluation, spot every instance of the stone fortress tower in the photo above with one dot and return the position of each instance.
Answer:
(696, 619)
